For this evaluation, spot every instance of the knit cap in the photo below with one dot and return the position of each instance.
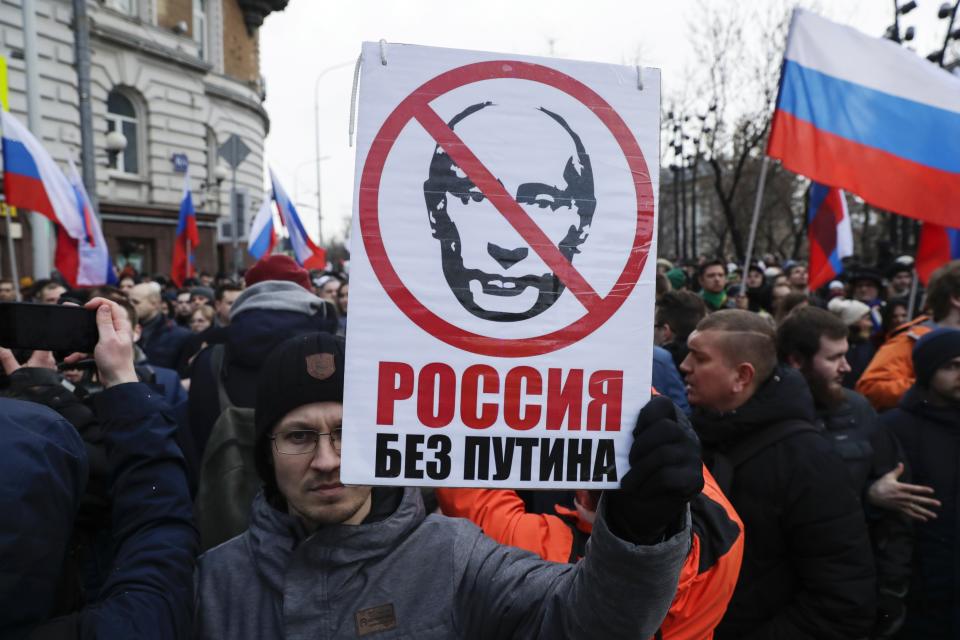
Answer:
(278, 267)
(301, 370)
(849, 311)
(677, 278)
(932, 351)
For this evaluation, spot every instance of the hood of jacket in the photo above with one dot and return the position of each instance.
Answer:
(916, 401)
(784, 396)
(274, 536)
(42, 479)
(268, 313)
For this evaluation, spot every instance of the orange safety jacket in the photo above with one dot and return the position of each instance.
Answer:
(890, 374)
(707, 579)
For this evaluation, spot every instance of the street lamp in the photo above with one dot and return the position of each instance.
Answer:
(116, 143)
(316, 118)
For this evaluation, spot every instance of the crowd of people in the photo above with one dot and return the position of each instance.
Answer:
(792, 476)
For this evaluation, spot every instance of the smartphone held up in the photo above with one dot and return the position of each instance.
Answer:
(47, 327)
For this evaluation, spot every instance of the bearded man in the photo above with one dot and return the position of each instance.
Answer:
(814, 342)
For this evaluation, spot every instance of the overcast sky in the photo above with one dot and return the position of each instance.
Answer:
(311, 36)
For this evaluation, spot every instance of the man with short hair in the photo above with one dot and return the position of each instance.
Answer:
(50, 293)
(814, 342)
(676, 316)
(754, 279)
(323, 558)
(223, 301)
(926, 422)
(808, 567)
(126, 284)
(798, 277)
(161, 339)
(712, 275)
(900, 277)
(890, 373)
(183, 308)
(8, 291)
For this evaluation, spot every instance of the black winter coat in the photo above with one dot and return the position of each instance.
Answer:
(852, 428)
(930, 436)
(807, 566)
(869, 451)
(163, 340)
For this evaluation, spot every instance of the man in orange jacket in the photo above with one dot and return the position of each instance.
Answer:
(890, 373)
(707, 579)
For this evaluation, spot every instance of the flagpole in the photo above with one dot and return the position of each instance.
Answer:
(11, 251)
(758, 200)
(914, 286)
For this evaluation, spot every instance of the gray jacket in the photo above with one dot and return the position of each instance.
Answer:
(416, 576)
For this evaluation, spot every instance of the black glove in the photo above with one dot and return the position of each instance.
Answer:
(665, 474)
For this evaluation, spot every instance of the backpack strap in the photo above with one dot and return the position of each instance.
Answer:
(723, 464)
(216, 365)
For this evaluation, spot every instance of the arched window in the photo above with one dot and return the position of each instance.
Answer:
(122, 117)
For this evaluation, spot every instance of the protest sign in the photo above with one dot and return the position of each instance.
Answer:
(502, 269)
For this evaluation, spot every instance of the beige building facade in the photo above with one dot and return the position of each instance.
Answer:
(177, 78)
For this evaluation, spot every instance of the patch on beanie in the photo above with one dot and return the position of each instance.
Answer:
(321, 365)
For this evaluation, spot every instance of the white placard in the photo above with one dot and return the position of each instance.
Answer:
(502, 269)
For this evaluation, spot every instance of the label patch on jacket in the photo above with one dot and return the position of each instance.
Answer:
(375, 619)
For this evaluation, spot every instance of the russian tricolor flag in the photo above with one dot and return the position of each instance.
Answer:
(262, 237)
(305, 251)
(32, 180)
(829, 233)
(866, 115)
(93, 266)
(937, 246)
(188, 237)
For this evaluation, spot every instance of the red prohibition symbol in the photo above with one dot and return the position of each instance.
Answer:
(417, 107)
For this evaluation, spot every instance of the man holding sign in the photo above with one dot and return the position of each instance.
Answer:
(324, 559)
(523, 360)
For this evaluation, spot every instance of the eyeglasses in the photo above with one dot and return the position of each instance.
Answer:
(296, 443)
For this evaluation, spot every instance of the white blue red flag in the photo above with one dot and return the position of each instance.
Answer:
(32, 180)
(262, 236)
(307, 254)
(867, 115)
(187, 239)
(829, 233)
(85, 261)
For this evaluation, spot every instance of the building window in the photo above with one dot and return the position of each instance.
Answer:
(200, 33)
(126, 7)
(122, 117)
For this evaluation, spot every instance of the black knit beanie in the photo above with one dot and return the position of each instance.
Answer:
(299, 371)
(932, 351)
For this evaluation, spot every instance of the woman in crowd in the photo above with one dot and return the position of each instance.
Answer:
(201, 318)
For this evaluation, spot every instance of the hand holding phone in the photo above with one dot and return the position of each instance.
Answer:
(114, 348)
